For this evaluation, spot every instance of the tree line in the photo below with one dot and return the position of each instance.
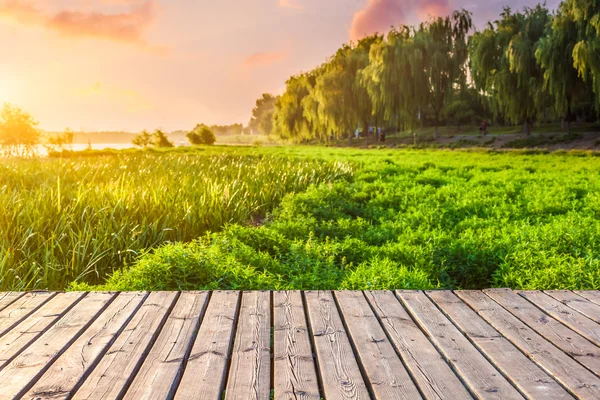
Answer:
(526, 67)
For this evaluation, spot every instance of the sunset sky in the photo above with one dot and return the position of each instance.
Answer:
(134, 64)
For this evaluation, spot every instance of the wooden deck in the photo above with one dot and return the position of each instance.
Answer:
(492, 344)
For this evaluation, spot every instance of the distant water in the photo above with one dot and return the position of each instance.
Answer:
(95, 146)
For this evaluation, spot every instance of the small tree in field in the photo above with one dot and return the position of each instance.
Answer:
(61, 141)
(144, 139)
(161, 139)
(19, 135)
(201, 134)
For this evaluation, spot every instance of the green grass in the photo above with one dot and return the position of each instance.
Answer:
(410, 219)
(81, 216)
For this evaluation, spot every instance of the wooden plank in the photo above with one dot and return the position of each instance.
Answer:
(118, 366)
(432, 374)
(563, 368)
(553, 331)
(477, 372)
(61, 379)
(295, 374)
(35, 325)
(21, 308)
(7, 298)
(568, 316)
(383, 368)
(160, 374)
(250, 372)
(577, 303)
(339, 371)
(37, 358)
(530, 379)
(206, 368)
(591, 295)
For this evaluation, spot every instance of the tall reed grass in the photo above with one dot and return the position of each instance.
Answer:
(79, 218)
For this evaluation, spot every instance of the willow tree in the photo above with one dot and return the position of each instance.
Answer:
(389, 79)
(338, 102)
(503, 64)
(289, 121)
(439, 60)
(555, 54)
(586, 15)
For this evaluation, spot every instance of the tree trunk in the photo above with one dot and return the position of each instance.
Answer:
(526, 127)
(436, 132)
(569, 116)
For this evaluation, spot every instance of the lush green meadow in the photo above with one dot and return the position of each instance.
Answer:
(80, 217)
(337, 218)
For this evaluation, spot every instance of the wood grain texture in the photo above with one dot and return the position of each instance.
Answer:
(432, 374)
(206, 368)
(17, 376)
(160, 373)
(563, 368)
(61, 379)
(568, 316)
(339, 370)
(7, 298)
(591, 295)
(35, 325)
(577, 303)
(527, 376)
(383, 368)
(294, 366)
(250, 370)
(570, 342)
(21, 309)
(118, 366)
(478, 373)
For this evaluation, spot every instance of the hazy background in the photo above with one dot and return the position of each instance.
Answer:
(104, 65)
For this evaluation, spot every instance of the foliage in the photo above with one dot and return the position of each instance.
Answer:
(262, 115)
(60, 141)
(503, 64)
(201, 134)
(82, 216)
(19, 135)
(144, 139)
(161, 139)
(405, 219)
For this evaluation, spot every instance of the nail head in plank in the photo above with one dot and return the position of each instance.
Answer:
(477, 372)
(120, 363)
(295, 374)
(339, 370)
(62, 377)
(206, 368)
(33, 361)
(530, 379)
(384, 369)
(158, 377)
(250, 371)
(564, 369)
(432, 374)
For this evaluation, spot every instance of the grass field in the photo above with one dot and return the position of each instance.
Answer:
(337, 218)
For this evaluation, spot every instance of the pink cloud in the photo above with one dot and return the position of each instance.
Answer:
(125, 27)
(381, 15)
(266, 58)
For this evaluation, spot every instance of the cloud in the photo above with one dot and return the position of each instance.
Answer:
(124, 27)
(290, 4)
(266, 58)
(381, 15)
